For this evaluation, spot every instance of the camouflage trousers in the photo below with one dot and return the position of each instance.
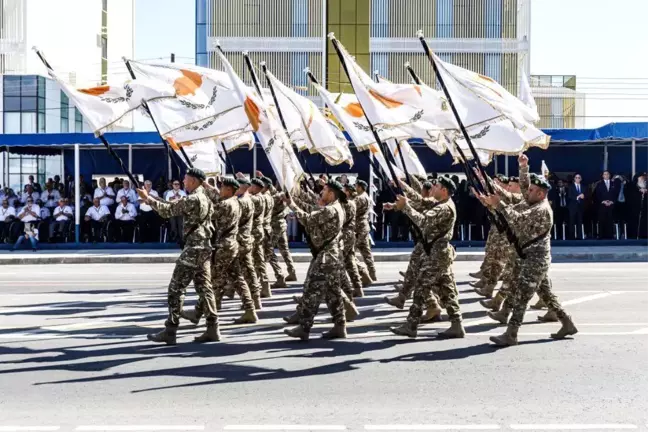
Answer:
(280, 241)
(258, 255)
(226, 268)
(246, 260)
(413, 270)
(322, 283)
(363, 245)
(530, 276)
(495, 258)
(193, 264)
(436, 276)
(489, 244)
(350, 261)
(269, 255)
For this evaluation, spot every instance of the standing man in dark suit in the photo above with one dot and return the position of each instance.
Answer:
(559, 206)
(576, 205)
(606, 195)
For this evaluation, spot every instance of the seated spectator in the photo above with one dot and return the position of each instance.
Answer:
(50, 196)
(3, 193)
(7, 215)
(130, 194)
(149, 221)
(30, 234)
(175, 222)
(45, 213)
(28, 214)
(125, 215)
(106, 194)
(10, 195)
(63, 216)
(35, 186)
(94, 219)
(29, 193)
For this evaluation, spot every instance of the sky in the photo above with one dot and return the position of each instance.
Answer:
(602, 42)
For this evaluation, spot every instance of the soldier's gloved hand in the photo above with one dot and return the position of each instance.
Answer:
(401, 200)
(523, 160)
(286, 198)
(388, 206)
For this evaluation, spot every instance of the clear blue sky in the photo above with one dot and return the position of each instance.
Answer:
(600, 41)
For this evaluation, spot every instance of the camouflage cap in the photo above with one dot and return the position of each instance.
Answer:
(335, 185)
(267, 181)
(502, 178)
(428, 185)
(539, 181)
(244, 182)
(197, 174)
(363, 184)
(257, 182)
(514, 179)
(228, 181)
(447, 183)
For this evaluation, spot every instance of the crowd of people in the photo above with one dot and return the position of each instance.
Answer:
(611, 207)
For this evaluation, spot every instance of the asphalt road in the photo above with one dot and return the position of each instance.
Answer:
(74, 356)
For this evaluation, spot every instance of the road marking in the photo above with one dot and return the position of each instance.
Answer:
(285, 427)
(28, 428)
(141, 428)
(572, 426)
(431, 427)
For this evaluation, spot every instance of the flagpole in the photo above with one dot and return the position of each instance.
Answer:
(148, 110)
(227, 158)
(101, 136)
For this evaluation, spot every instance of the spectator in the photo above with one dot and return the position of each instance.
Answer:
(3, 193)
(28, 214)
(149, 221)
(29, 193)
(576, 206)
(606, 196)
(130, 194)
(63, 215)
(125, 215)
(10, 195)
(175, 222)
(95, 218)
(344, 180)
(559, 202)
(30, 234)
(7, 215)
(106, 194)
(51, 196)
(35, 186)
(620, 208)
(45, 213)
(638, 207)
(57, 182)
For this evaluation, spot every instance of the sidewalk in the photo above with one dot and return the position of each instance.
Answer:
(560, 253)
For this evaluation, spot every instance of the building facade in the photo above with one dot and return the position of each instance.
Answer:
(560, 104)
(488, 36)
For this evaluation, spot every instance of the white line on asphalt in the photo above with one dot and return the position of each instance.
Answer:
(572, 426)
(141, 428)
(285, 427)
(431, 427)
(28, 428)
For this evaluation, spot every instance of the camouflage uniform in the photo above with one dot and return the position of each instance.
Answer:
(279, 235)
(323, 277)
(268, 250)
(363, 242)
(246, 244)
(194, 260)
(348, 249)
(226, 266)
(258, 234)
(437, 226)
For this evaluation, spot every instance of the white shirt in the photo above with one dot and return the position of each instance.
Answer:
(45, 213)
(51, 198)
(97, 213)
(174, 195)
(127, 213)
(130, 194)
(25, 195)
(110, 196)
(607, 184)
(6, 212)
(28, 217)
(63, 213)
(145, 207)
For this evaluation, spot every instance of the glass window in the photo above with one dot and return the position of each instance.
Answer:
(12, 104)
(78, 121)
(29, 85)
(41, 122)
(41, 86)
(11, 85)
(11, 122)
(28, 103)
(557, 81)
(28, 122)
(41, 104)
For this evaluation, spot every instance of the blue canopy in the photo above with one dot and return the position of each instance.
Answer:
(610, 133)
(69, 139)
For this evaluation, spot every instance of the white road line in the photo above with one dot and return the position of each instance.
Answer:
(28, 428)
(562, 427)
(141, 428)
(430, 427)
(285, 427)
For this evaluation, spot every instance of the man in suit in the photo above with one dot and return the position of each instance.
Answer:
(559, 206)
(606, 195)
(576, 206)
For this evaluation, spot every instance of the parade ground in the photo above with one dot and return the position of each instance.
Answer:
(74, 357)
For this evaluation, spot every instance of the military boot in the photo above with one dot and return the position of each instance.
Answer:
(297, 299)
(540, 305)
(292, 275)
(351, 312)
(280, 283)
(508, 338)
(229, 292)
(167, 336)
(433, 313)
(456, 331)
(298, 332)
(486, 291)
(219, 304)
(212, 334)
(398, 301)
(404, 330)
(358, 292)
(477, 284)
(550, 316)
(398, 287)
(477, 275)
(366, 279)
(292, 319)
(337, 332)
(266, 292)
(257, 302)
(372, 274)
(191, 315)
(568, 329)
(248, 317)
(501, 316)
